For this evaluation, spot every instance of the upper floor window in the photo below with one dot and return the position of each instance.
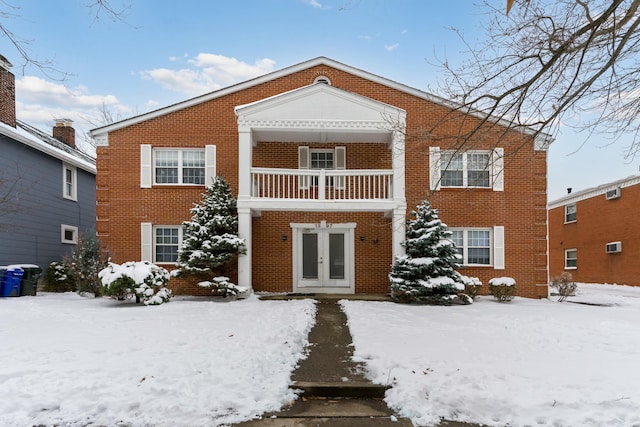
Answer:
(466, 169)
(469, 169)
(69, 182)
(175, 166)
(179, 167)
(570, 213)
(474, 245)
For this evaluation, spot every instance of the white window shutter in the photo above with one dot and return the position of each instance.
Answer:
(146, 169)
(498, 247)
(146, 235)
(497, 169)
(210, 164)
(304, 162)
(434, 168)
(340, 157)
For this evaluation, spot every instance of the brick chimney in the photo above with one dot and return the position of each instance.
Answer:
(7, 93)
(64, 131)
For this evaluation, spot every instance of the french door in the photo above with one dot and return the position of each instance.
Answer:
(323, 258)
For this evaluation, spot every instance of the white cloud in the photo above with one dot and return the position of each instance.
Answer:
(405, 31)
(313, 3)
(210, 72)
(391, 48)
(364, 37)
(37, 90)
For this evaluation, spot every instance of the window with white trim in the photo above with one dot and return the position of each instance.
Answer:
(167, 240)
(466, 169)
(69, 182)
(570, 213)
(183, 167)
(571, 258)
(474, 245)
(470, 169)
(68, 234)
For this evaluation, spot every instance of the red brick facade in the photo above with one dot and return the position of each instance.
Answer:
(520, 208)
(598, 221)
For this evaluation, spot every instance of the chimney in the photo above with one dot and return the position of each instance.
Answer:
(64, 131)
(7, 93)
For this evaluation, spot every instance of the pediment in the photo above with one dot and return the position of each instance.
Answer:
(318, 102)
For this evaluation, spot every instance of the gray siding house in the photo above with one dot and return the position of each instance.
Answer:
(47, 186)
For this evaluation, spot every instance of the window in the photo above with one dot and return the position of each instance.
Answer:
(69, 186)
(167, 240)
(474, 246)
(465, 169)
(570, 213)
(69, 234)
(571, 259)
(468, 169)
(321, 159)
(179, 167)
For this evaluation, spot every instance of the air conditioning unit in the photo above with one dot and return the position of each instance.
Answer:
(614, 247)
(613, 193)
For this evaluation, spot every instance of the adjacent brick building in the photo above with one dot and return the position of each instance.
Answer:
(327, 161)
(595, 234)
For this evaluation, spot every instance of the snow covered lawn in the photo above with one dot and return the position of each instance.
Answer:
(524, 363)
(191, 362)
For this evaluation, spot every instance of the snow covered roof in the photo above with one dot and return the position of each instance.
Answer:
(101, 134)
(34, 138)
(594, 191)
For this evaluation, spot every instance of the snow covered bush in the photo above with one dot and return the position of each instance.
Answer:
(222, 286)
(144, 280)
(59, 278)
(210, 239)
(426, 274)
(503, 288)
(472, 286)
(564, 285)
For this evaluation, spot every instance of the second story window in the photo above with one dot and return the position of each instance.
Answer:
(69, 184)
(465, 169)
(570, 213)
(179, 167)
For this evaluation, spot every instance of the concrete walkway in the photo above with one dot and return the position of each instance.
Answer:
(335, 392)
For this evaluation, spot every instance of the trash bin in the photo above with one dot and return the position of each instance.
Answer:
(29, 283)
(11, 279)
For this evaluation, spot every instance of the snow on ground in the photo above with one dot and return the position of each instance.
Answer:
(76, 361)
(524, 363)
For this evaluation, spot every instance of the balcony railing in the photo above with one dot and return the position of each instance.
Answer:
(311, 184)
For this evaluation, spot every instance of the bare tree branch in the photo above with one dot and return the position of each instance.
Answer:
(552, 63)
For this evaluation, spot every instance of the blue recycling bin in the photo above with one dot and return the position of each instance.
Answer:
(10, 286)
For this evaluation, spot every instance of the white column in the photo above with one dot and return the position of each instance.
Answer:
(397, 164)
(398, 231)
(245, 149)
(244, 261)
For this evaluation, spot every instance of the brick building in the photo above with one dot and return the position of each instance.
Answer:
(595, 234)
(327, 162)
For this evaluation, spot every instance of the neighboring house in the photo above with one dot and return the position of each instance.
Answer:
(327, 162)
(595, 234)
(47, 186)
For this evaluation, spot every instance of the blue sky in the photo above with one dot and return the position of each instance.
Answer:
(166, 51)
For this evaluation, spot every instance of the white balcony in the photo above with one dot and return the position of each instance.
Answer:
(322, 185)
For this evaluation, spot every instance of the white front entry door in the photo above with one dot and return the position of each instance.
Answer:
(323, 258)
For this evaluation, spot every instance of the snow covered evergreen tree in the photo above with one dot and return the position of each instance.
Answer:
(211, 239)
(427, 272)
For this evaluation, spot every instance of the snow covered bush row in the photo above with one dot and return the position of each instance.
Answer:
(144, 280)
(503, 288)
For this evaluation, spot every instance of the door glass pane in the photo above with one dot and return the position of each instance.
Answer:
(309, 256)
(336, 256)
